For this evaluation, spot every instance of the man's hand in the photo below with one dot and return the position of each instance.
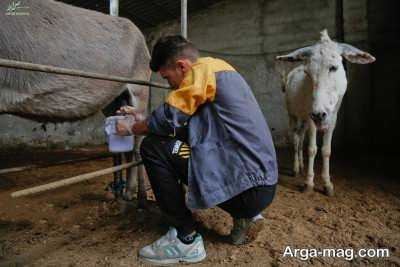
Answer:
(123, 127)
(127, 110)
(140, 127)
(132, 127)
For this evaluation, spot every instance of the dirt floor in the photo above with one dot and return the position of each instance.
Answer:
(80, 225)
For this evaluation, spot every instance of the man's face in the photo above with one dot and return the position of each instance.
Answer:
(175, 72)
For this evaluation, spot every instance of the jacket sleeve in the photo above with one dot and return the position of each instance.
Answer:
(198, 87)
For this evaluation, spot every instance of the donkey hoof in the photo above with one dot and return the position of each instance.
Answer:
(140, 216)
(128, 196)
(308, 188)
(329, 191)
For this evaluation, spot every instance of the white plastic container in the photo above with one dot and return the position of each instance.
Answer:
(117, 143)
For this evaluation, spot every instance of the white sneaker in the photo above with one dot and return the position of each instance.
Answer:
(246, 229)
(170, 250)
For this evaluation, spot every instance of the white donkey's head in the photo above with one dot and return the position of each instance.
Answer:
(323, 65)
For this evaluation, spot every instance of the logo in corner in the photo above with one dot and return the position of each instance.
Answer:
(16, 9)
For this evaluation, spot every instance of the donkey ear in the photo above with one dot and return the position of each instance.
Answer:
(297, 55)
(355, 55)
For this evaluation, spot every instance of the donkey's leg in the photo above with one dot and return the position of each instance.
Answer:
(117, 160)
(301, 143)
(296, 139)
(312, 151)
(131, 174)
(142, 196)
(326, 154)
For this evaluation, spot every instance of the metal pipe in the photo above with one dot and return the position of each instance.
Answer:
(73, 180)
(184, 18)
(114, 8)
(15, 64)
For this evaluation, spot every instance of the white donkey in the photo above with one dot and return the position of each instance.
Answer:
(314, 92)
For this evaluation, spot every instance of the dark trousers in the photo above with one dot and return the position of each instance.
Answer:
(166, 163)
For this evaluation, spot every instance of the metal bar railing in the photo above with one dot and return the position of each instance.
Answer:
(15, 64)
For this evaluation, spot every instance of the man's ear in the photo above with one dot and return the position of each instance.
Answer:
(184, 65)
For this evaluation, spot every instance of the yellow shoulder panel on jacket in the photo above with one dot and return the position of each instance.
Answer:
(198, 86)
(216, 64)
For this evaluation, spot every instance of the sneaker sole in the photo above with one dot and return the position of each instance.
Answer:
(174, 261)
(252, 233)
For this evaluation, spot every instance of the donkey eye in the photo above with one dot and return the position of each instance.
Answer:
(333, 68)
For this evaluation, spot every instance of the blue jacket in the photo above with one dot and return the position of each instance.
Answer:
(231, 145)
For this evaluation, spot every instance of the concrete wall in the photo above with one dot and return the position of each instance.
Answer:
(18, 132)
(249, 34)
(384, 111)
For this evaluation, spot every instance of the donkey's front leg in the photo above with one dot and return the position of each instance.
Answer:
(326, 154)
(116, 185)
(302, 134)
(131, 174)
(296, 163)
(142, 195)
(312, 151)
(294, 126)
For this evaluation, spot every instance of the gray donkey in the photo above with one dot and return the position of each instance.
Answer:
(58, 34)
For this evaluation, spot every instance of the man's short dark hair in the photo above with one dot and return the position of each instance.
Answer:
(172, 47)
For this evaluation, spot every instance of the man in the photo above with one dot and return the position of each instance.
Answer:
(211, 135)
